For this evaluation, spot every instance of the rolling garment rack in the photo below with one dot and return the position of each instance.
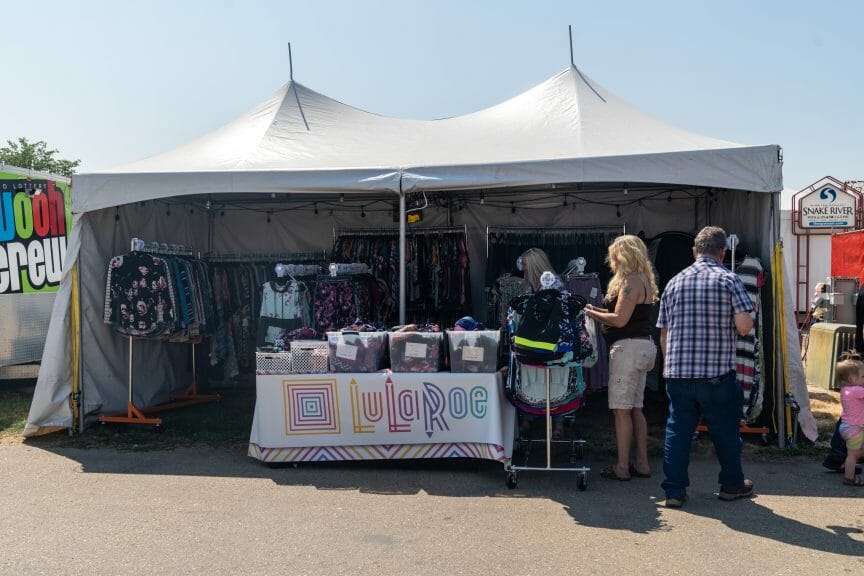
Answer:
(577, 446)
(573, 402)
(190, 395)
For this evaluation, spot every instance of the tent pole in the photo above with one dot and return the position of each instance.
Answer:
(290, 64)
(570, 32)
(403, 217)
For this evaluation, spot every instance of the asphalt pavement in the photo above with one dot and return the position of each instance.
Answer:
(214, 511)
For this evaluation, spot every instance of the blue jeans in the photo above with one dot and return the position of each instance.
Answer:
(720, 402)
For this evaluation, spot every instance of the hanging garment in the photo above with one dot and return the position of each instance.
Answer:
(525, 387)
(280, 310)
(139, 301)
(588, 287)
(748, 366)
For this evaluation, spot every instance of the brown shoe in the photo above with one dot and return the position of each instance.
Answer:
(729, 493)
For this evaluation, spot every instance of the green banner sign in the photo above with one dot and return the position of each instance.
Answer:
(35, 217)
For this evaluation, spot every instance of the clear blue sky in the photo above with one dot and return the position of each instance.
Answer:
(110, 82)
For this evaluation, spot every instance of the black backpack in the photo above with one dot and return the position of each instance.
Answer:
(543, 332)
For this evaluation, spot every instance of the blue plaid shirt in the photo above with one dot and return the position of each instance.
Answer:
(698, 308)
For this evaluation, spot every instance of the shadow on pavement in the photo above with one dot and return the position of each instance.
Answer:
(635, 506)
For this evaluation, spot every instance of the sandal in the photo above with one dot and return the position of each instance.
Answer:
(637, 474)
(609, 474)
(856, 481)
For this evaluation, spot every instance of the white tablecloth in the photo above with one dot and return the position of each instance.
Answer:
(381, 416)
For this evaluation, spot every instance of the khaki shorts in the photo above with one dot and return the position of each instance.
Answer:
(629, 361)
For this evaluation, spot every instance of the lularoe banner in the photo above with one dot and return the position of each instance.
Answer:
(35, 216)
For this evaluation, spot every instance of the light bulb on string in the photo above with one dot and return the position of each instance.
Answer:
(268, 216)
(316, 208)
(617, 211)
(482, 198)
(512, 208)
(341, 197)
(362, 212)
(565, 199)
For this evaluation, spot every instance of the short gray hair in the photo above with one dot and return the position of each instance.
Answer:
(710, 240)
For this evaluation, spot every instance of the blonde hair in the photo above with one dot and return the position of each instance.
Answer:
(627, 256)
(846, 370)
(534, 263)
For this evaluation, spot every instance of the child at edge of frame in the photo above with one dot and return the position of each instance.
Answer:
(850, 375)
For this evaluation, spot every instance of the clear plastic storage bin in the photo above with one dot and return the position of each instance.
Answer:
(357, 351)
(416, 351)
(474, 351)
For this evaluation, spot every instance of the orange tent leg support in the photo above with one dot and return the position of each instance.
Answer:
(133, 416)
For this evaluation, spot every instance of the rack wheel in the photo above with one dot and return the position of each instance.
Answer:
(511, 480)
(582, 482)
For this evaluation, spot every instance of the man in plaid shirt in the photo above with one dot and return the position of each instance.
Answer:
(701, 310)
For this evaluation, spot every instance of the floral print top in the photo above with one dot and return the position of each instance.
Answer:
(139, 298)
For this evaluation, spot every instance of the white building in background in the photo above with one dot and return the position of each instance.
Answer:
(810, 269)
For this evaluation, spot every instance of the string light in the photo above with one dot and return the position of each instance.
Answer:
(117, 214)
(482, 198)
(512, 208)
(268, 216)
(341, 197)
(168, 211)
(565, 199)
(618, 211)
(626, 190)
(222, 213)
(316, 208)
(362, 212)
(669, 197)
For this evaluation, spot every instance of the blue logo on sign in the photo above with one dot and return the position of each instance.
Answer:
(825, 193)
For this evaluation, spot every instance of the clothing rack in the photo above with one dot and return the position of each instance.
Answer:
(164, 248)
(190, 395)
(360, 232)
(291, 257)
(519, 231)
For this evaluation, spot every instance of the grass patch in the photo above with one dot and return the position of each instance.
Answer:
(225, 424)
(14, 407)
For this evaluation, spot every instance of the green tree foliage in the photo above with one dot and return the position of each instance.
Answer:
(36, 156)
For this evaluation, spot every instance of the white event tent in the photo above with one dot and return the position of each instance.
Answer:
(300, 147)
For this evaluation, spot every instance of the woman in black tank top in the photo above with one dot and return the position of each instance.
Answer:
(626, 323)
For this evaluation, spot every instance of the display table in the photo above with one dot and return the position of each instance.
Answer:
(381, 416)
